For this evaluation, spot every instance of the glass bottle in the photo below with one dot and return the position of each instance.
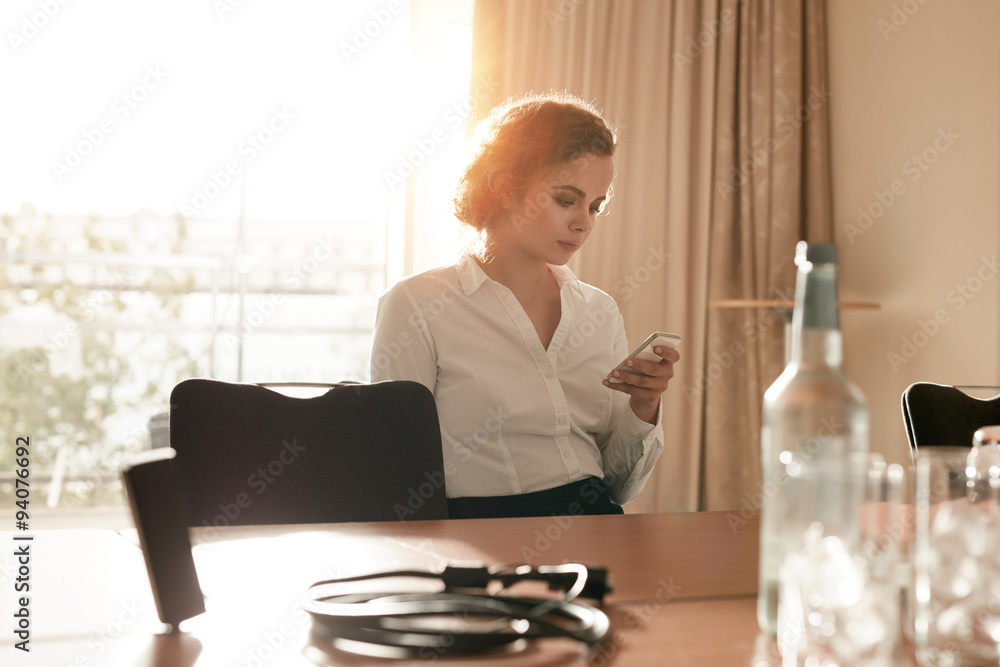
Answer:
(812, 411)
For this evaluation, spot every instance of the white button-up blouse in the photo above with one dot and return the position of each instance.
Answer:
(516, 417)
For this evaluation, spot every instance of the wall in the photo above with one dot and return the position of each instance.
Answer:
(915, 113)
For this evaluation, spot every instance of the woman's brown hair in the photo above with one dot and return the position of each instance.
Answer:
(519, 139)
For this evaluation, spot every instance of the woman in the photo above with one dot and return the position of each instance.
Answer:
(513, 346)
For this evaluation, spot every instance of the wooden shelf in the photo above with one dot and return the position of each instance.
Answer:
(777, 303)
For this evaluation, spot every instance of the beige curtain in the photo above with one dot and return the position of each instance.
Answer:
(771, 190)
(694, 88)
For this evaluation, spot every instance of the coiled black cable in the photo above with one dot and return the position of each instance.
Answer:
(464, 617)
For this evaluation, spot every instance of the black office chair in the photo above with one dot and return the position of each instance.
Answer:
(359, 452)
(938, 414)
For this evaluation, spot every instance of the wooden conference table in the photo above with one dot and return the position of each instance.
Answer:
(684, 590)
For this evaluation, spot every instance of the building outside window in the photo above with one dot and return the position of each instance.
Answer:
(219, 190)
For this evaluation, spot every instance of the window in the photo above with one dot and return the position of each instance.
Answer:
(215, 189)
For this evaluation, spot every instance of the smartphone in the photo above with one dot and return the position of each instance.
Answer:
(645, 350)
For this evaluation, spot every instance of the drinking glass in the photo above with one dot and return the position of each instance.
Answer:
(957, 558)
(845, 533)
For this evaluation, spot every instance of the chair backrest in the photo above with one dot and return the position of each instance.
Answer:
(359, 452)
(938, 414)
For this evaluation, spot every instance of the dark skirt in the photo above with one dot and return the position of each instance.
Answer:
(588, 496)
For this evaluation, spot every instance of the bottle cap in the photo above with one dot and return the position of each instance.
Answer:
(816, 253)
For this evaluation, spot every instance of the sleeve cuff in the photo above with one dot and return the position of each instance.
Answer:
(646, 444)
(637, 430)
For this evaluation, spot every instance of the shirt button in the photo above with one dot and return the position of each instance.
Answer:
(562, 419)
(566, 454)
(549, 375)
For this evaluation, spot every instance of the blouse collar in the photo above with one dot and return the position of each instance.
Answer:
(471, 275)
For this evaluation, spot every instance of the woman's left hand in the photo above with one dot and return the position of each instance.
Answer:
(645, 381)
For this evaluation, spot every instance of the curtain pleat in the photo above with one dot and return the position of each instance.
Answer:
(772, 191)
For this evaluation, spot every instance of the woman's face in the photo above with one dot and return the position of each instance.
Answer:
(556, 213)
